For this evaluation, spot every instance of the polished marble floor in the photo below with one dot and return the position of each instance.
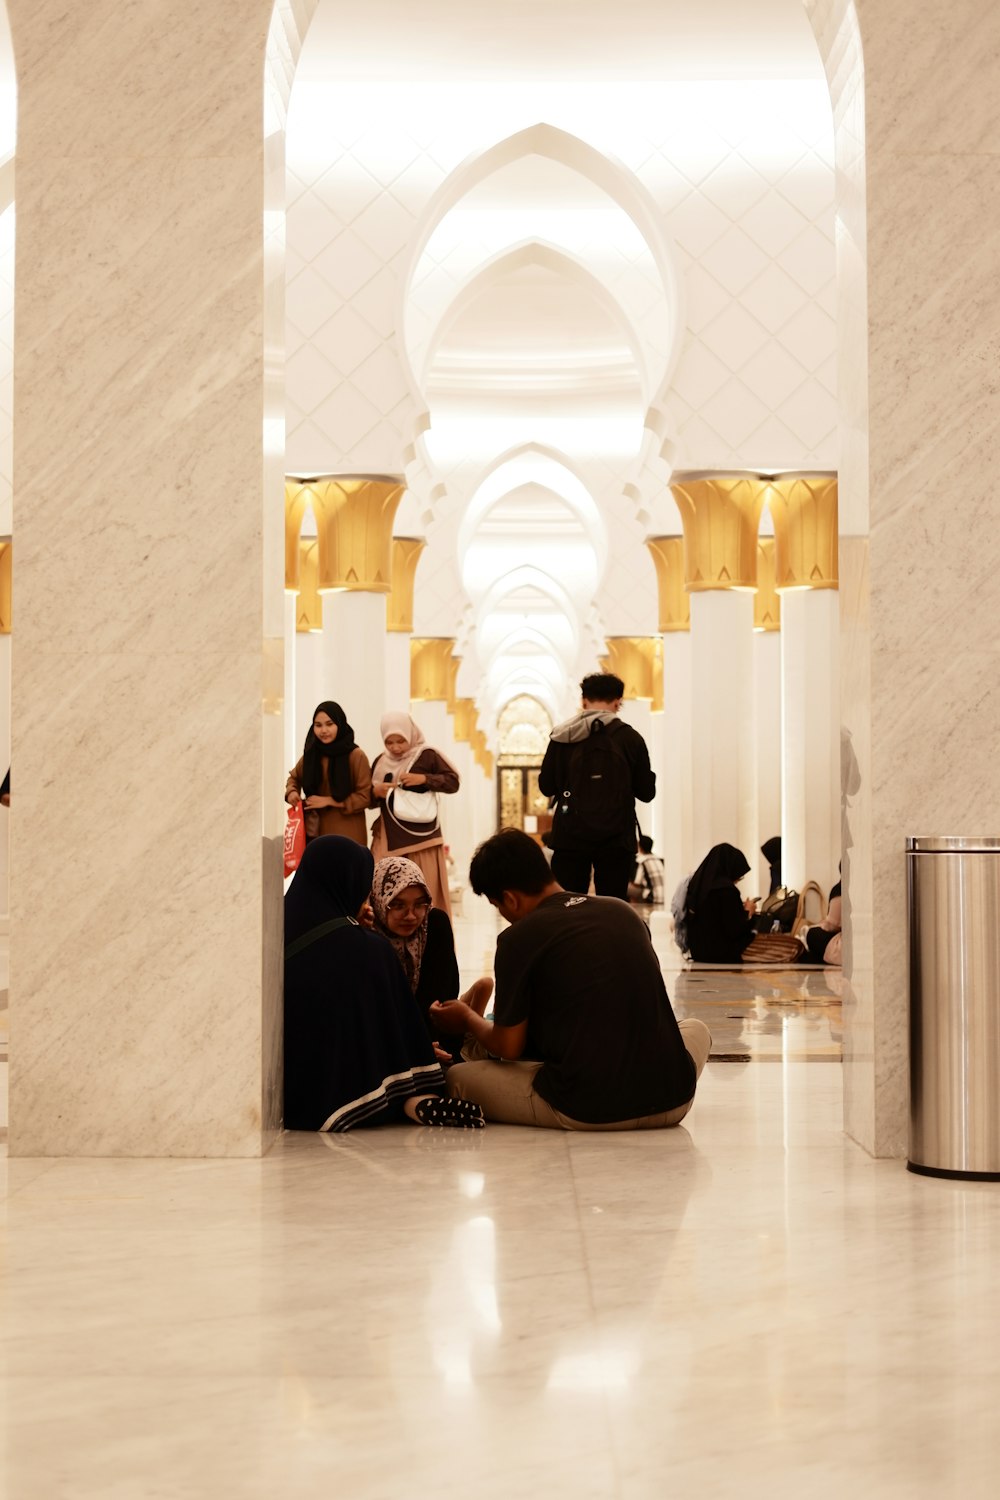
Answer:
(747, 1306)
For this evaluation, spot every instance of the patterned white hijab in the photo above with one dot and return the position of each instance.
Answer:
(391, 876)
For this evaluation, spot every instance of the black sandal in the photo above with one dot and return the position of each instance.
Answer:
(460, 1114)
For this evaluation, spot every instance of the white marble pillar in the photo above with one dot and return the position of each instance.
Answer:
(723, 722)
(919, 326)
(146, 893)
(810, 736)
(720, 514)
(767, 696)
(676, 794)
(397, 671)
(353, 658)
(5, 663)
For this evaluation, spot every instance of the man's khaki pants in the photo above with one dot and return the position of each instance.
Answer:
(505, 1090)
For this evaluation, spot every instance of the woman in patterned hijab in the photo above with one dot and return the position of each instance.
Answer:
(423, 941)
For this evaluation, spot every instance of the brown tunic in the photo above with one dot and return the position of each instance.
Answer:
(349, 819)
(392, 837)
(400, 837)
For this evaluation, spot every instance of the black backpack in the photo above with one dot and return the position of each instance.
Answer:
(598, 795)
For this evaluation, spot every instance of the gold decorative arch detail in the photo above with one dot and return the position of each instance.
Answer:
(406, 554)
(308, 604)
(638, 661)
(667, 553)
(6, 587)
(804, 510)
(354, 518)
(430, 668)
(721, 515)
(767, 601)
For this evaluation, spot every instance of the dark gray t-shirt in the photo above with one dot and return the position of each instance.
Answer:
(582, 972)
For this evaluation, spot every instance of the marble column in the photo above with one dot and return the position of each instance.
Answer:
(919, 327)
(6, 560)
(304, 678)
(432, 686)
(804, 510)
(673, 769)
(406, 554)
(354, 515)
(767, 670)
(146, 849)
(720, 514)
(638, 661)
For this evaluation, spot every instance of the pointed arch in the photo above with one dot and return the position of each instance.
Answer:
(550, 257)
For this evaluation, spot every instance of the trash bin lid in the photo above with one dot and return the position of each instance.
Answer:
(951, 845)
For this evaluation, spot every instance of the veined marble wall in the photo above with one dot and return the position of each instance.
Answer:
(146, 852)
(918, 173)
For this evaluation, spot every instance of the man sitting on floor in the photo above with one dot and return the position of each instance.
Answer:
(578, 992)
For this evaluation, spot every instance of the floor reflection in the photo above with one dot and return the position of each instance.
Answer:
(778, 1015)
(763, 1015)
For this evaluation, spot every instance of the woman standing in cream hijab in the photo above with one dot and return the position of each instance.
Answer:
(408, 761)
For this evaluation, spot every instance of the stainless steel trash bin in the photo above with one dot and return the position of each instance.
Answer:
(954, 914)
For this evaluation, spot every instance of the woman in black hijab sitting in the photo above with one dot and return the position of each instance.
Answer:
(333, 780)
(357, 1050)
(719, 923)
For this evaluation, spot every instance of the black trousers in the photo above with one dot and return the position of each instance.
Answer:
(612, 870)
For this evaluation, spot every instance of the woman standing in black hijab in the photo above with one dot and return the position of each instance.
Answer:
(357, 1050)
(719, 923)
(333, 780)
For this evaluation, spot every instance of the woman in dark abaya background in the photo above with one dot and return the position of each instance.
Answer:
(720, 926)
(719, 923)
(357, 1050)
(771, 851)
(333, 780)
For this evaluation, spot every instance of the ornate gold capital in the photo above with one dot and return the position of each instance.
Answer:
(767, 602)
(480, 753)
(638, 661)
(465, 720)
(453, 665)
(675, 606)
(430, 672)
(406, 551)
(804, 510)
(6, 587)
(354, 515)
(308, 604)
(720, 514)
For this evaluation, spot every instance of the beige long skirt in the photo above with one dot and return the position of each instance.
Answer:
(431, 861)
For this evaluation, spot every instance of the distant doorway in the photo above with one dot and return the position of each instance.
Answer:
(524, 727)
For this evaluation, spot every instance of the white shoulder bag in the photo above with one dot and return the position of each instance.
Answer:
(406, 806)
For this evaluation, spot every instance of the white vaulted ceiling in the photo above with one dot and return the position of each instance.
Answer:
(633, 39)
(539, 253)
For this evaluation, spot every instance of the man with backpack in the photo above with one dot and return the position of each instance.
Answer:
(595, 767)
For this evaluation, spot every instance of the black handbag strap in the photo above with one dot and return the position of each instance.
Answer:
(315, 933)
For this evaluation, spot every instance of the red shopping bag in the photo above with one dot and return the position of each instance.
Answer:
(295, 838)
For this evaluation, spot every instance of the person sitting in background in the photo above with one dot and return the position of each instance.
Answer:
(333, 779)
(583, 1036)
(719, 924)
(409, 762)
(422, 939)
(646, 886)
(824, 942)
(771, 851)
(356, 1049)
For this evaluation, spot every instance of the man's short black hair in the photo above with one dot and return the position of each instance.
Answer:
(645, 843)
(602, 687)
(509, 861)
